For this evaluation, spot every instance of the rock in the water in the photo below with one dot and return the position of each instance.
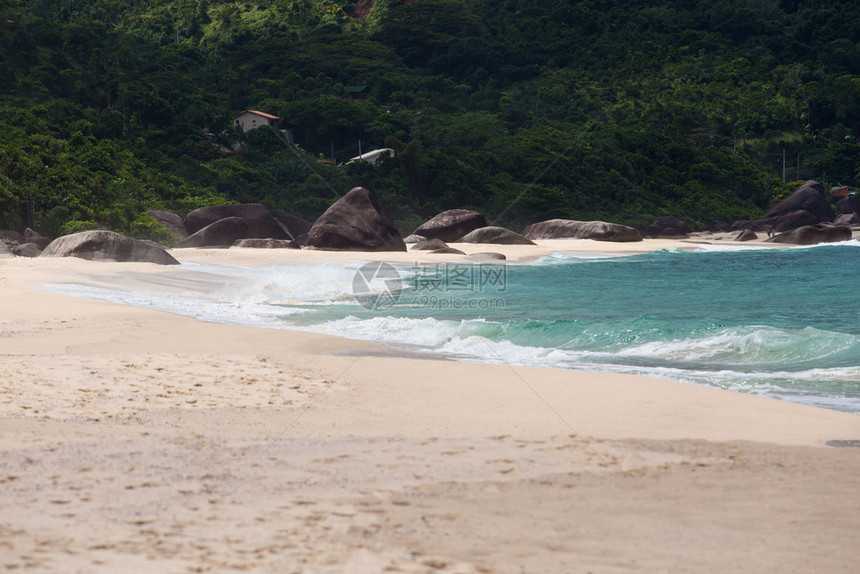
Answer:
(497, 235)
(814, 234)
(102, 245)
(429, 245)
(414, 239)
(257, 218)
(793, 220)
(171, 221)
(667, 227)
(256, 243)
(355, 223)
(572, 229)
(295, 225)
(808, 197)
(222, 233)
(746, 235)
(451, 225)
(27, 250)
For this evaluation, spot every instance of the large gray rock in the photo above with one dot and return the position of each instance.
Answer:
(667, 227)
(27, 250)
(847, 219)
(497, 235)
(174, 224)
(451, 225)
(414, 239)
(793, 220)
(429, 245)
(295, 226)
(355, 222)
(746, 235)
(487, 256)
(222, 233)
(814, 234)
(259, 221)
(850, 204)
(103, 245)
(572, 229)
(31, 236)
(9, 237)
(256, 243)
(808, 197)
(5, 252)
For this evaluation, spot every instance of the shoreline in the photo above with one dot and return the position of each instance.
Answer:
(221, 447)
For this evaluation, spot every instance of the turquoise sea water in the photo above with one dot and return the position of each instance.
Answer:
(783, 323)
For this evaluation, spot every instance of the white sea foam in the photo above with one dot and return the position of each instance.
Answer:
(754, 359)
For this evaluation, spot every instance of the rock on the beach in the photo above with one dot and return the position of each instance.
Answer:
(256, 243)
(497, 235)
(448, 251)
(487, 256)
(572, 229)
(814, 234)
(172, 222)
(5, 252)
(295, 226)
(103, 245)
(32, 236)
(412, 238)
(429, 245)
(355, 222)
(793, 220)
(667, 227)
(257, 218)
(222, 233)
(9, 237)
(26, 250)
(850, 204)
(451, 225)
(808, 197)
(746, 235)
(847, 219)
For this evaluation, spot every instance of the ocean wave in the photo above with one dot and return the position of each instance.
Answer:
(568, 313)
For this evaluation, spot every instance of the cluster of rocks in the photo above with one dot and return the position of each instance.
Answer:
(356, 223)
(464, 226)
(806, 217)
(27, 244)
(244, 225)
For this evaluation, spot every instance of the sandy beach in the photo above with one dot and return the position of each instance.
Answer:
(133, 440)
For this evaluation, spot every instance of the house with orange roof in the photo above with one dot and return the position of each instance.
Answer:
(249, 120)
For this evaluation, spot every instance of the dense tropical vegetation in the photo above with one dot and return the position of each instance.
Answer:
(523, 109)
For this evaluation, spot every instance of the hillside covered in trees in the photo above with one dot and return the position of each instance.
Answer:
(522, 109)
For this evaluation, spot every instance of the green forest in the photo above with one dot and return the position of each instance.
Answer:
(524, 110)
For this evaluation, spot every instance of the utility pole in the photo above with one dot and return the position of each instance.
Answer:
(783, 165)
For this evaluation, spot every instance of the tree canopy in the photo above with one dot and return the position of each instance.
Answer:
(524, 110)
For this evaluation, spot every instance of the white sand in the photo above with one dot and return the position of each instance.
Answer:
(134, 440)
